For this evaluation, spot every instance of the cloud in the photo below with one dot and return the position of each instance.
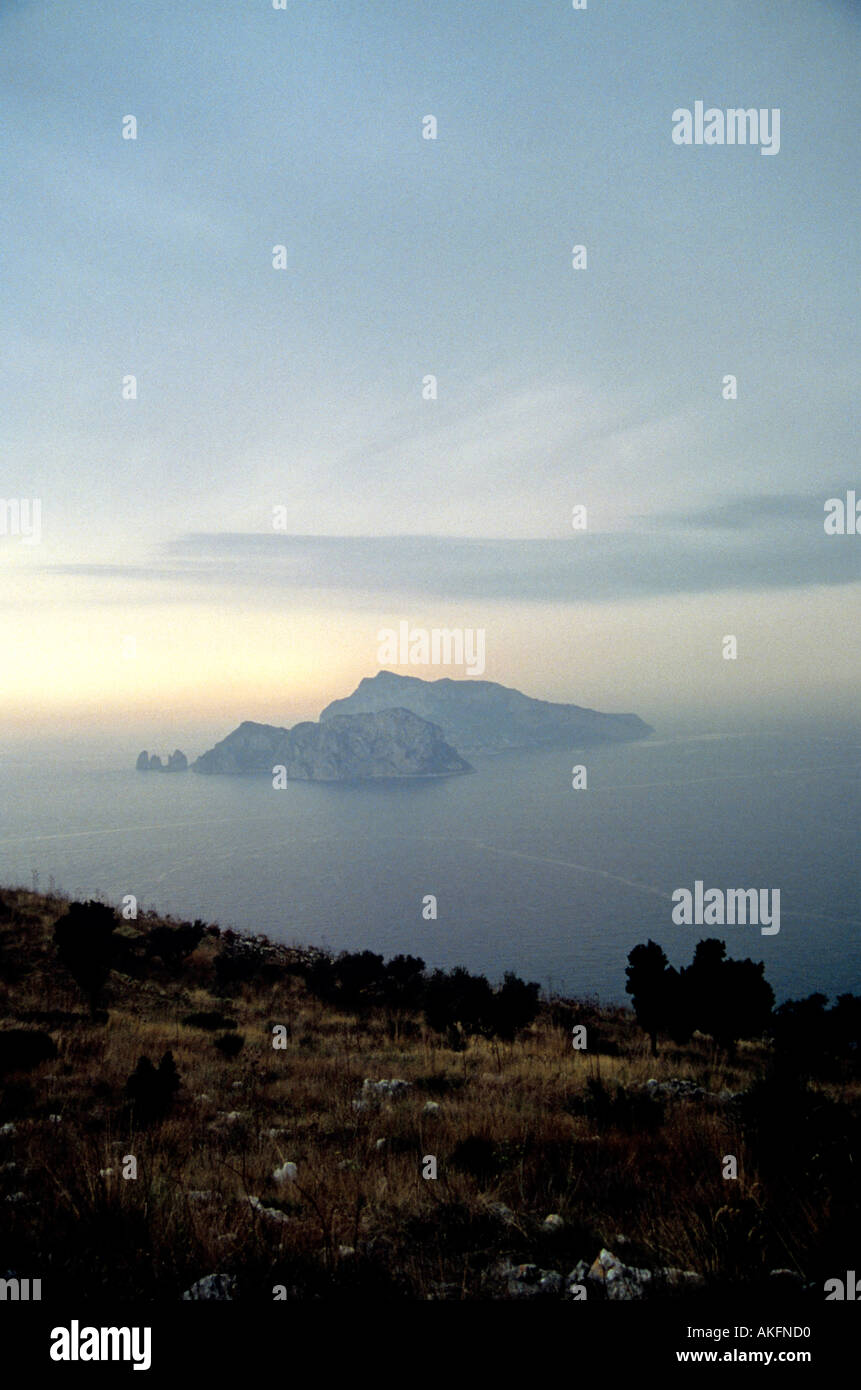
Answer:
(748, 513)
(750, 544)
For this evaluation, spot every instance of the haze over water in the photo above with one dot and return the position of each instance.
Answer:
(529, 874)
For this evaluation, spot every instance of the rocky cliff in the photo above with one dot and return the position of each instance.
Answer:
(250, 748)
(482, 716)
(177, 762)
(349, 747)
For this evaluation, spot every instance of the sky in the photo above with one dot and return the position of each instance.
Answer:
(159, 595)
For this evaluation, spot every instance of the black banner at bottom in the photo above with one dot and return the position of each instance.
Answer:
(223, 1341)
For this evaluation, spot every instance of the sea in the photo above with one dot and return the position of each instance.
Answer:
(507, 868)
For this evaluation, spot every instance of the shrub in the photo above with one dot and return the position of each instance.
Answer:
(209, 1019)
(515, 1005)
(459, 999)
(174, 944)
(151, 1090)
(477, 1156)
(21, 1049)
(241, 960)
(630, 1111)
(816, 1040)
(728, 999)
(18, 1099)
(404, 983)
(84, 938)
(230, 1044)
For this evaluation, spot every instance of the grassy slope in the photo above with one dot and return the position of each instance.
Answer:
(660, 1189)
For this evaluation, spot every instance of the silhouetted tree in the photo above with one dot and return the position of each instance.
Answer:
(748, 1001)
(845, 1019)
(701, 982)
(728, 999)
(515, 1005)
(85, 946)
(814, 1039)
(800, 1028)
(457, 997)
(654, 993)
(361, 979)
(405, 982)
(321, 979)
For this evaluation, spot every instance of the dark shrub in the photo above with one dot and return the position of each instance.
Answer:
(361, 979)
(230, 1044)
(457, 998)
(438, 1084)
(174, 944)
(21, 1049)
(241, 960)
(845, 1021)
(729, 999)
(209, 1019)
(515, 1005)
(84, 938)
(476, 1156)
(150, 1091)
(405, 982)
(815, 1040)
(630, 1111)
(18, 1099)
(483, 1159)
(321, 980)
(805, 1145)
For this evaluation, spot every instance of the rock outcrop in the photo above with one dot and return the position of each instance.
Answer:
(177, 762)
(378, 1093)
(250, 748)
(402, 726)
(678, 1088)
(606, 1278)
(482, 716)
(391, 743)
(213, 1288)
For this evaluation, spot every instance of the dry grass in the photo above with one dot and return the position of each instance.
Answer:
(361, 1221)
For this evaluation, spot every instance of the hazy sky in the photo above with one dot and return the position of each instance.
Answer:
(302, 388)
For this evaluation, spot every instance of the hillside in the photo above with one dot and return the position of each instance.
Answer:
(302, 1168)
(482, 716)
(386, 743)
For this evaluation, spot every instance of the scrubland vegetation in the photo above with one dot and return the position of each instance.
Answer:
(276, 1165)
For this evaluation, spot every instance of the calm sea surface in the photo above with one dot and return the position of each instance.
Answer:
(529, 875)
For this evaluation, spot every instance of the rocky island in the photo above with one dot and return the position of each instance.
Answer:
(177, 762)
(402, 726)
(350, 747)
(482, 716)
